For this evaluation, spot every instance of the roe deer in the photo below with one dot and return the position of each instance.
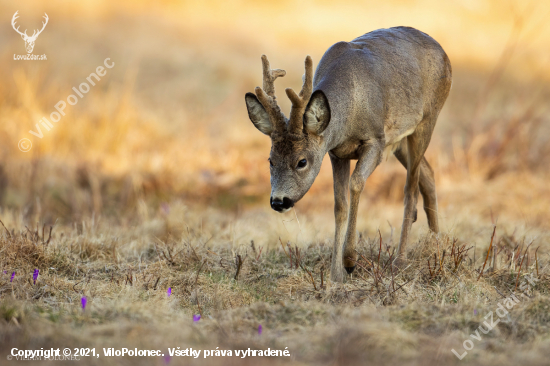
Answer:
(380, 93)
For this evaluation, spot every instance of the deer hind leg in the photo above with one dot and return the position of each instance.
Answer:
(426, 184)
(340, 172)
(416, 145)
(427, 190)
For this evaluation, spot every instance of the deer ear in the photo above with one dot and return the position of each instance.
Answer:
(258, 115)
(317, 115)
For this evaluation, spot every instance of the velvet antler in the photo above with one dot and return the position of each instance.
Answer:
(299, 101)
(267, 95)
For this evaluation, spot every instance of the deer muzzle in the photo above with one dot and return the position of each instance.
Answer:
(281, 205)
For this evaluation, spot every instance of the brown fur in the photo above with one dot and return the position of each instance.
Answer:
(381, 92)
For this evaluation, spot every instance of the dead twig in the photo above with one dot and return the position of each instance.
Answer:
(259, 254)
(239, 263)
(488, 251)
(198, 272)
(199, 305)
(9, 234)
(280, 241)
(537, 261)
(290, 256)
(49, 236)
(521, 264)
(380, 249)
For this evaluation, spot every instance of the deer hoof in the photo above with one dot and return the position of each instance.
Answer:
(415, 215)
(350, 270)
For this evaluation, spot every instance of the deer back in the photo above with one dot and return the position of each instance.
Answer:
(382, 84)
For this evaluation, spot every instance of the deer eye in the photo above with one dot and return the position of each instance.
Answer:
(270, 163)
(301, 164)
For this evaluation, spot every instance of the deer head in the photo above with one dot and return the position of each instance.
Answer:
(29, 41)
(297, 143)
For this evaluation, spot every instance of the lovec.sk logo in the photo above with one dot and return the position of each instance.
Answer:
(29, 40)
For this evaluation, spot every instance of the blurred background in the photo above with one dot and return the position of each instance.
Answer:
(167, 126)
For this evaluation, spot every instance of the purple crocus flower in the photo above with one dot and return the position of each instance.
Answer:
(5, 272)
(167, 359)
(475, 312)
(12, 276)
(83, 301)
(169, 292)
(35, 275)
(260, 329)
(196, 318)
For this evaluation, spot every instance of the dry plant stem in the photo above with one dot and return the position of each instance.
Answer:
(401, 287)
(199, 305)
(391, 269)
(520, 265)
(298, 260)
(442, 261)
(537, 262)
(9, 235)
(198, 272)
(310, 275)
(30, 232)
(282, 246)
(193, 249)
(488, 251)
(239, 263)
(130, 278)
(380, 249)
(290, 252)
(366, 270)
(500, 293)
(259, 254)
(494, 259)
(297, 257)
(49, 236)
(474, 262)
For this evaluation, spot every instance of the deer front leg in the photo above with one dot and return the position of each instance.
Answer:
(340, 173)
(369, 158)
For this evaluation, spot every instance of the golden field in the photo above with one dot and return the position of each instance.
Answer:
(156, 179)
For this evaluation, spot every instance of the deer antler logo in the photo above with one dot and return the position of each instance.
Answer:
(29, 41)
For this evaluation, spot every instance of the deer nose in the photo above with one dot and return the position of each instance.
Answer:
(281, 205)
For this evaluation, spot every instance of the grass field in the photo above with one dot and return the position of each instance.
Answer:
(157, 180)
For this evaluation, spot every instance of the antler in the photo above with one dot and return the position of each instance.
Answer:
(267, 95)
(299, 102)
(34, 35)
(13, 24)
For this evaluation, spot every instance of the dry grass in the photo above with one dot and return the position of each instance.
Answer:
(423, 311)
(157, 180)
